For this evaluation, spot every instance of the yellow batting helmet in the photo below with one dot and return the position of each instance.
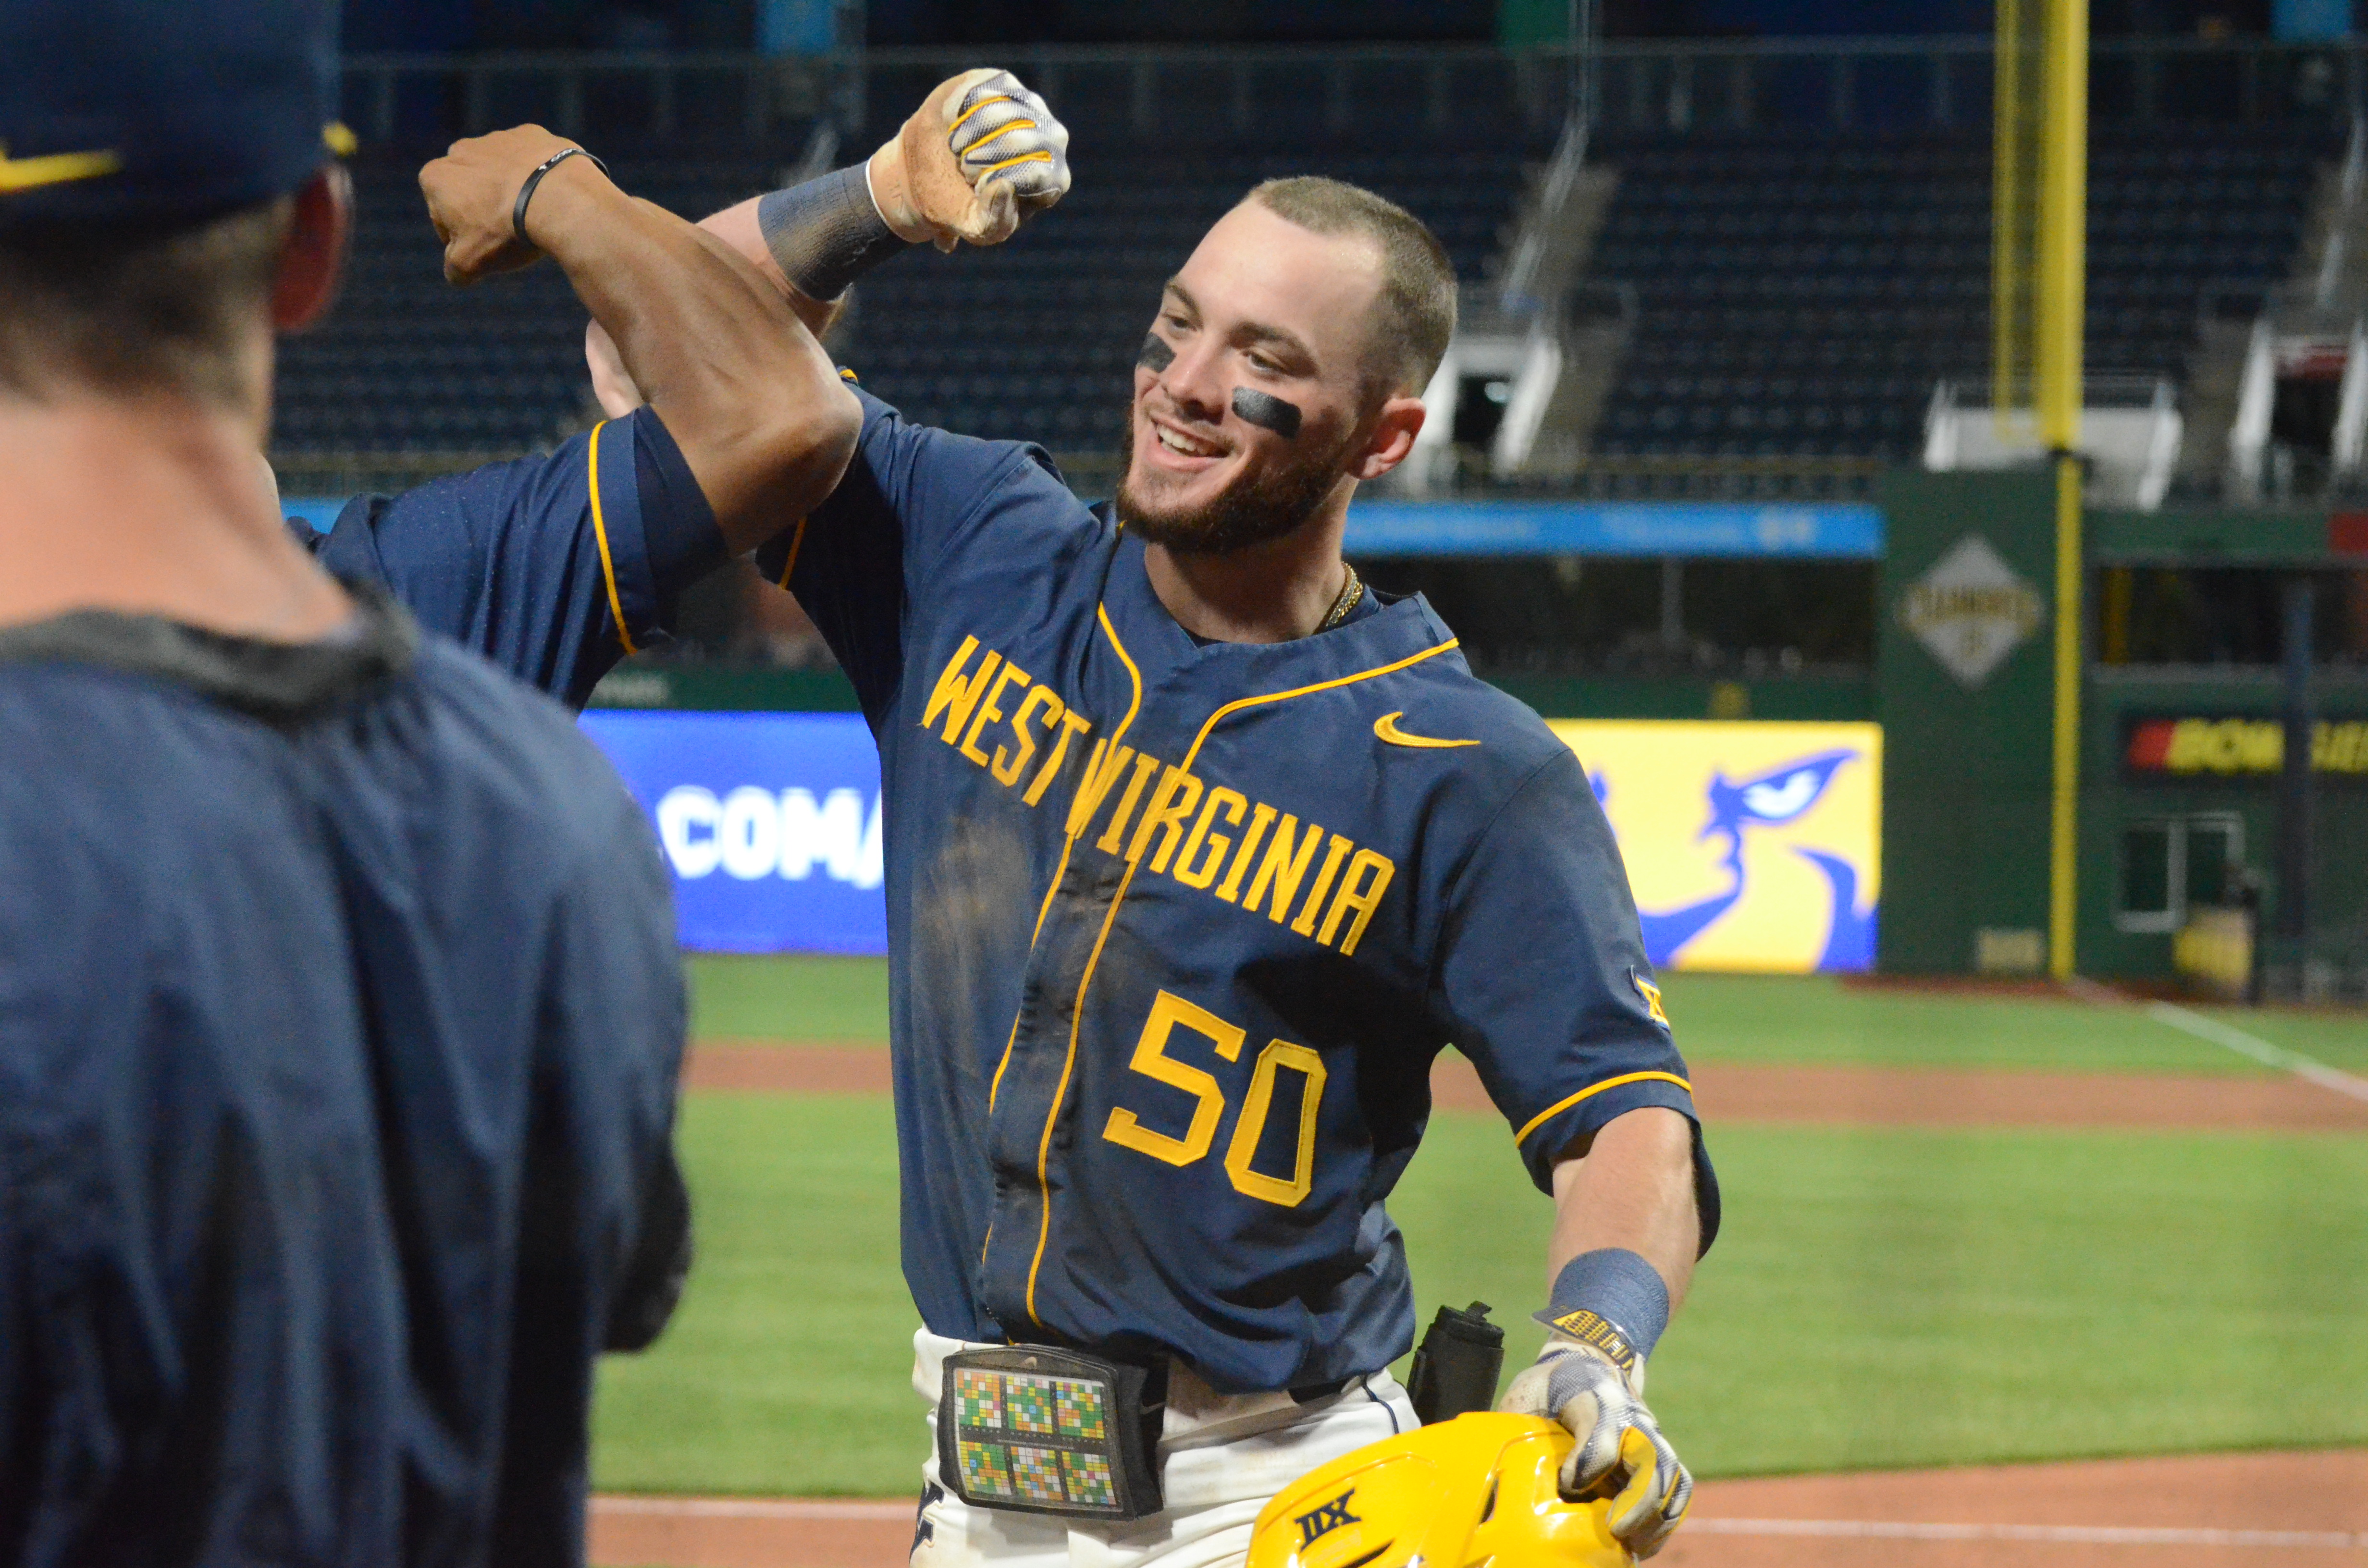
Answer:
(1478, 1489)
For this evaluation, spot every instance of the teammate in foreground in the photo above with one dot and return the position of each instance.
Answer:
(1199, 851)
(339, 1010)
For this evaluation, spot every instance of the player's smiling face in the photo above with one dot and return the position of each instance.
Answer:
(1252, 394)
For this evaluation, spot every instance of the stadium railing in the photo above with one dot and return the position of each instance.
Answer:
(1836, 82)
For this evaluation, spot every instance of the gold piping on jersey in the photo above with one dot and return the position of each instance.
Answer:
(1134, 706)
(797, 541)
(600, 533)
(1084, 982)
(1241, 702)
(1069, 1063)
(1590, 1092)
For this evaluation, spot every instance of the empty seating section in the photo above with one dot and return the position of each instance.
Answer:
(1031, 339)
(405, 363)
(1796, 297)
(1801, 299)
(1035, 339)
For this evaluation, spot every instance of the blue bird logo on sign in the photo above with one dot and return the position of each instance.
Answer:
(1751, 807)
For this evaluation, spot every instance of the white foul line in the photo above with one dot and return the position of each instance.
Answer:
(1869, 1529)
(2062, 1534)
(2309, 1068)
(2260, 1050)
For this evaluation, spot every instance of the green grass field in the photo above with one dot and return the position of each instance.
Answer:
(1720, 1018)
(1878, 1296)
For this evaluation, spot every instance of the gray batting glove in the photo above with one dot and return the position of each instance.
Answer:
(981, 153)
(1621, 1448)
(1005, 135)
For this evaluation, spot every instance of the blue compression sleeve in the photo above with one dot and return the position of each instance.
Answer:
(1613, 1299)
(826, 232)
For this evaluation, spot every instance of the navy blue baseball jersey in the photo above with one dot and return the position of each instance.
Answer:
(1177, 928)
(339, 1023)
(553, 567)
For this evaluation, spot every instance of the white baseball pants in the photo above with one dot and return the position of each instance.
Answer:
(1221, 1457)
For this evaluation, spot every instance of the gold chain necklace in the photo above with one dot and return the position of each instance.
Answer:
(1352, 593)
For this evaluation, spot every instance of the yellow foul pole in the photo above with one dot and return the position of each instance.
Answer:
(2062, 257)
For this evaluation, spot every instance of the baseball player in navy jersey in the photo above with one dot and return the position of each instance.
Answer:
(1199, 850)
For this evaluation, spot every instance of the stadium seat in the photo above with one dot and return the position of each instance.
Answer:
(1870, 252)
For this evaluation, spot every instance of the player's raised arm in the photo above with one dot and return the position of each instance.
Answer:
(759, 412)
(556, 566)
(981, 155)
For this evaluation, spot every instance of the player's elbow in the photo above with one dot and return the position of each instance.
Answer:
(783, 457)
(825, 443)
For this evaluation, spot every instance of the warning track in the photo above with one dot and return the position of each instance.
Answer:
(2292, 1510)
(1856, 1096)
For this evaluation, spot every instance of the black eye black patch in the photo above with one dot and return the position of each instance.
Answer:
(1267, 410)
(1155, 356)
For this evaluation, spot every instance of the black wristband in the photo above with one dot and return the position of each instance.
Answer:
(826, 232)
(525, 191)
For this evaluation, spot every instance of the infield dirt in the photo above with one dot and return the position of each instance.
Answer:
(2289, 1510)
(1877, 1096)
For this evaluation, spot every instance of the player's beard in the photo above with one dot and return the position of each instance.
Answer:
(1253, 509)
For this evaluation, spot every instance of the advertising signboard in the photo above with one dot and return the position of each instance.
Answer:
(770, 821)
(2220, 746)
(1752, 847)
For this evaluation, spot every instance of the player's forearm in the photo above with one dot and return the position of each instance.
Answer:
(1634, 1190)
(736, 227)
(756, 407)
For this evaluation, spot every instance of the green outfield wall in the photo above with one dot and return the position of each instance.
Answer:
(1964, 614)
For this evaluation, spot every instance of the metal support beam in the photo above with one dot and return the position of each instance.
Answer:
(2296, 804)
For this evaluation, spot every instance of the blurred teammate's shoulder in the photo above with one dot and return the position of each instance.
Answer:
(124, 723)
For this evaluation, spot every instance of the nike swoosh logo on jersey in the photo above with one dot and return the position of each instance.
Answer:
(52, 168)
(1386, 727)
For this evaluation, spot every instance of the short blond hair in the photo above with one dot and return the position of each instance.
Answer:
(121, 314)
(1417, 301)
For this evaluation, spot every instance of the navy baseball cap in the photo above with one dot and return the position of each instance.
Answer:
(161, 113)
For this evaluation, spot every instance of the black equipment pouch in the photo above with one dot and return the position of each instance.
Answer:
(1037, 1430)
(1457, 1365)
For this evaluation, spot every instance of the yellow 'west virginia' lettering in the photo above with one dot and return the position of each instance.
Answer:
(1177, 793)
(990, 711)
(1144, 766)
(1102, 769)
(955, 697)
(1305, 924)
(1071, 723)
(966, 700)
(1369, 877)
(1008, 763)
(1232, 887)
(1231, 803)
(1282, 868)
